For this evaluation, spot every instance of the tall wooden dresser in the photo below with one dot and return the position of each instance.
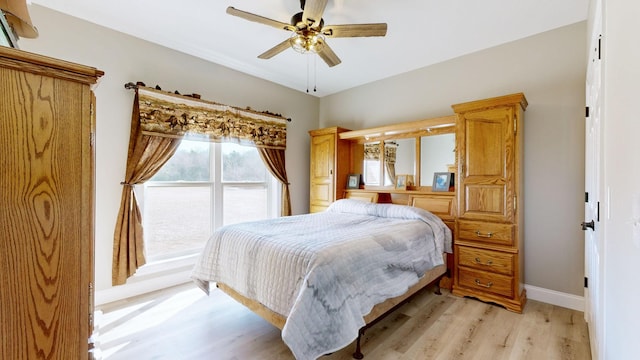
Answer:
(329, 167)
(46, 192)
(489, 241)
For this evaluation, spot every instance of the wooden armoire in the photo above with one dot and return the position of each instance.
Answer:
(47, 192)
(489, 234)
(329, 167)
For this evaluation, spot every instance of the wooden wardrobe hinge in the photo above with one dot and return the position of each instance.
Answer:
(515, 203)
(91, 308)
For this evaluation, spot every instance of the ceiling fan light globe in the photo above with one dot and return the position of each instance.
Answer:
(306, 42)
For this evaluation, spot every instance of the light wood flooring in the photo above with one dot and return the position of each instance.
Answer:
(183, 323)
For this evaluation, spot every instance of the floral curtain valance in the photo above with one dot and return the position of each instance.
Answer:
(372, 151)
(169, 115)
(390, 150)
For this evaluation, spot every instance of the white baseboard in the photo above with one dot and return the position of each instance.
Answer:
(553, 297)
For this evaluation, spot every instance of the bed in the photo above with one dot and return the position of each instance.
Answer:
(322, 277)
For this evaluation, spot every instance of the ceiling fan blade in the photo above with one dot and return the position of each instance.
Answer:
(328, 55)
(259, 19)
(355, 30)
(275, 50)
(312, 12)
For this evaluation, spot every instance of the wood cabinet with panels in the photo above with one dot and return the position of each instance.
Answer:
(47, 190)
(489, 242)
(329, 167)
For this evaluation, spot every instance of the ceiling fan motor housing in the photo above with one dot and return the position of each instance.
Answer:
(296, 20)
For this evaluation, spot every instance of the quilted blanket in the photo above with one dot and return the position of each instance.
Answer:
(325, 271)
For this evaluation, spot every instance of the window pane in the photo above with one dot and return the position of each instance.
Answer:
(244, 203)
(189, 163)
(177, 219)
(242, 164)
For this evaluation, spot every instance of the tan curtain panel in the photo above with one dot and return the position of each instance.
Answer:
(146, 156)
(158, 123)
(390, 150)
(168, 115)
(274, 160)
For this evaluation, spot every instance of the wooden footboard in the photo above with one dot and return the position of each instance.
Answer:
(272, 317)
(430, 277)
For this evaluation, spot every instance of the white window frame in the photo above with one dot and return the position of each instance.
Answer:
(188, 257)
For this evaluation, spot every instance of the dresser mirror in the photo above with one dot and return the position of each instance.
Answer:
(437, 154)
(399, 158)
(417, 148)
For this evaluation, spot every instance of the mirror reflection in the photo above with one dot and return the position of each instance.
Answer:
(437, 154)
(399, 158)
(371, 173)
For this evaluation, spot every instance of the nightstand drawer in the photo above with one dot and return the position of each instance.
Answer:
(492, 233)
(485, 281)
(492, 261)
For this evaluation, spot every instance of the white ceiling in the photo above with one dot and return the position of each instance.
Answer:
(420, 33)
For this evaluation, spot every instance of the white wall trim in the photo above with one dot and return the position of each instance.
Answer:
(553, 297)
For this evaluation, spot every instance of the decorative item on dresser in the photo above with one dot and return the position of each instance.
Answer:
(47, 124)
(353, 181)
(489, 237)
(442, 181)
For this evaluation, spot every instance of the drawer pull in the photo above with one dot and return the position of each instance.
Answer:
(487, 235)
(488, 263)
(487, 285)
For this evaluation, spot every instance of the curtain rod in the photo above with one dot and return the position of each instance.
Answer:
(130, 86)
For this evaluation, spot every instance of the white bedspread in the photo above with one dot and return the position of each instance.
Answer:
(325, 271)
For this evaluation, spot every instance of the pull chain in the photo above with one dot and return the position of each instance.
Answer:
(307, 73)
(315, 72)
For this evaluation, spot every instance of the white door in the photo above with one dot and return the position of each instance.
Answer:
(593, 180)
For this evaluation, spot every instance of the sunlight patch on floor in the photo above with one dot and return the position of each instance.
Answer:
(112, 327)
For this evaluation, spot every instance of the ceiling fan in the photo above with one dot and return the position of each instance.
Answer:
(309, 31)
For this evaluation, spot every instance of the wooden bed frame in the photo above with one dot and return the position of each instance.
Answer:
(378, 312)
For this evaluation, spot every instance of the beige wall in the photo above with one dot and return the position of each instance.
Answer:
(124, 59)
(550, 69)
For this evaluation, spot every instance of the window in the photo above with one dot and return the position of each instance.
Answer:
(201, 188)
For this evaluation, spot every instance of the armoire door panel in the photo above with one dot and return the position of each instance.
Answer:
(329, 165)
(488, 164)
(323, 154)
(486, 199)
(485, 152)
(322, 192)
